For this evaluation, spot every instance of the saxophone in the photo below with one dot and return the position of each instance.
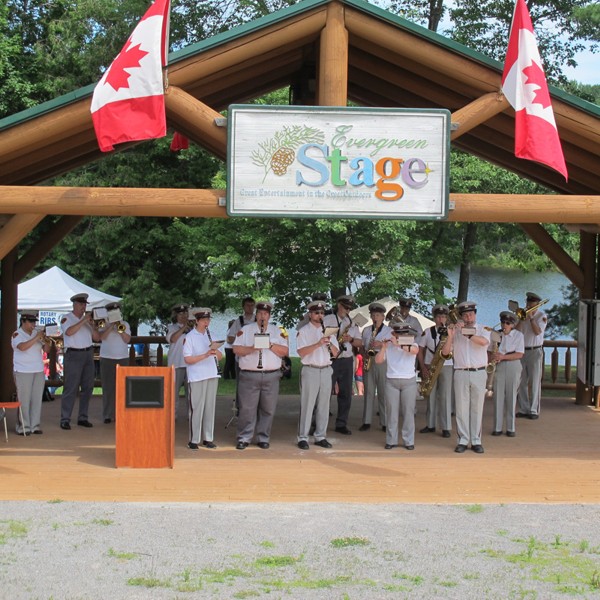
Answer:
(491, 366)
(341, 336)
(370, 350)
(437, 362)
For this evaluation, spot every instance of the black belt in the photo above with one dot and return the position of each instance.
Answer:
(316, 367)
(532, 347)
(79, 349)
(259, 371)
(470, 369)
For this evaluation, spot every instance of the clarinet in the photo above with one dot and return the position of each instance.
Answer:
(262, 330)
(210, 341)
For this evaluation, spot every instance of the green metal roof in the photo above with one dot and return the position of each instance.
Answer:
(279, 16)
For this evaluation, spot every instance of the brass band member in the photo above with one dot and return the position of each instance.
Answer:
(532, 328)
(78, 335)
(508, 374)
(176, 332)
(343, 365)
(114, 351)
(259, 349)
(374, 372)
(28, 368)
(316, 351)
(401, 385)
(201, 356)
(439, 402)
(468, 341)
(401, 314)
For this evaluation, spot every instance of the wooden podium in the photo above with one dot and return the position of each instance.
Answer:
(145, 417)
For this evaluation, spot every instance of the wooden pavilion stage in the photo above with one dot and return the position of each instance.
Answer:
(555, 459)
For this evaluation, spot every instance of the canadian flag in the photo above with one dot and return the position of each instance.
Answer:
(128, 103)
(524, 86)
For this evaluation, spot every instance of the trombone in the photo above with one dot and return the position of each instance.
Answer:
(522, 313)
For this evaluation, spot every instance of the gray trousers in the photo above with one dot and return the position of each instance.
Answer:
(439, 403)
(400, 397)
(30, 389)
(532, 363)
(506, 384)
(79, 374)
(315, 394)
(108, 376)
(375, 382)
(259, 393)
(203, 396)
(181, 380)
(469, 389)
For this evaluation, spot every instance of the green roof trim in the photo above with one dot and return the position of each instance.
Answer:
(281, 15)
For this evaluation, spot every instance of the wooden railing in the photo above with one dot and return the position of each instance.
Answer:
(569, 374)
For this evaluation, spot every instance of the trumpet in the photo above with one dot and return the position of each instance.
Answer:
(121, 328)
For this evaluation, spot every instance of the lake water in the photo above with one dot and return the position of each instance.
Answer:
(490, 288)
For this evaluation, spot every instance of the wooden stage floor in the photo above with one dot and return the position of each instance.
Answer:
(555, 459)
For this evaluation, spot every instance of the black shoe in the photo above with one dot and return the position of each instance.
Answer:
(241, 445)
(508, 433)
(65, 425)
(192, 446)
(21, 433)
(365, 427)
(427, 430)
(264, 445)
(410, 447)
(445, 433)
(84, 424)
(323, 444)
(496, 433)
(478, 449)
(343, 430)
(107, 421)
(460, 448)
(209, 444)
(389, 446)
(38, 432)
(521, 415)
(383, 428)
(533, 417)
(303, 445)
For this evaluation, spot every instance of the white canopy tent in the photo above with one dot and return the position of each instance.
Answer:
(51, 290)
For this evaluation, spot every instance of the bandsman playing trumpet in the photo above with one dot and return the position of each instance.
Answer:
(532, 328)
(28, 367)
(468, 342)
(259, 349)
(374, 372)
(78, 335)
(508, 374)
(114, 350)
(401, 314)
(401, 384)
(439, 401)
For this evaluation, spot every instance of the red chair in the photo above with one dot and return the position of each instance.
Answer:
(5, 405)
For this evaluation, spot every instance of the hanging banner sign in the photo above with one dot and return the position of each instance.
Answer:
(326, 162)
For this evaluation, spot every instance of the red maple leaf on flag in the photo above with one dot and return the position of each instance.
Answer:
(535, 76)
(129, 58)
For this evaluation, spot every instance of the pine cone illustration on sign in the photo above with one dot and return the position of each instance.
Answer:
(279, 152)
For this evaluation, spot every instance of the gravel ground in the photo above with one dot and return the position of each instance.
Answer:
(77, 550)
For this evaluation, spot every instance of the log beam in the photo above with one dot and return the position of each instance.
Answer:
(16, 229)
(332, 88)
(477, 112)
(196, 120)
(555, 253)
(8, 321)
(160, 202)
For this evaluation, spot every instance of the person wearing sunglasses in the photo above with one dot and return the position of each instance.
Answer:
(508, 374)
